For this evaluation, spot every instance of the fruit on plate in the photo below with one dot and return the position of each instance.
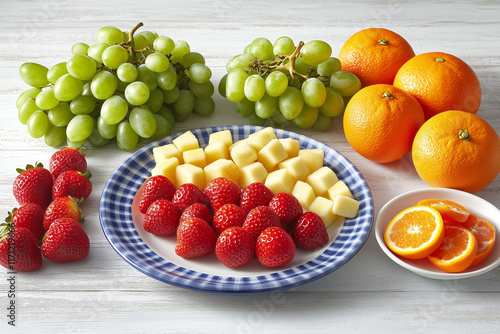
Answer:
(188, 194)
(155, 188)
(287, 208)
(235, 247)
(449, 210)
(275, 248)
(65, 241)
(197, 210)
(195, 238)
(259, 219)
(19, 250)
(228, 215)
(310, 232)
(485, 235)
(380, 122)
(221, 191)
(254, 195)
(161, 218)
(33, 185)
(459, 150)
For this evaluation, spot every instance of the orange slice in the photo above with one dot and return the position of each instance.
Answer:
(457, 251)
(415, 232)
(484, 231)
(450, 210)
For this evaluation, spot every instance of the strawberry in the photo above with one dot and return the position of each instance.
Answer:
(288, 209)
(65, 241)
(222, 191)
(72, 184)
(254, 195)
(194, 238)
(235, 247)
(19, 250)
(260, 218)
(156, 187)
(33, 185)
(62, 207)
(310, 232)
(228, 215)
(162, 218)
(197, 210)
(188, 194)
(28, 216)
(275, 247)
(65, 159)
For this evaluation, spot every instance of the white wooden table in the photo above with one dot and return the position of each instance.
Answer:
(370, 293)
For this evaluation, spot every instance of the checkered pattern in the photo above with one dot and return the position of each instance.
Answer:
(118, 227)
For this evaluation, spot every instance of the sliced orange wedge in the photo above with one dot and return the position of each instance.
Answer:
(484, 231)
(449, 210)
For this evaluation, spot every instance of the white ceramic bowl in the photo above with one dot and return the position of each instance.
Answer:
(423, 267)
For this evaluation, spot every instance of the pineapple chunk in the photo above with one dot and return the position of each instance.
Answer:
(222, 168)
(321, 180)
(279, 181)
(345, 206)
(216, 151)
(187, 173)
(292, 146)
(195, 157)
(230, 148)
(313, 157)
(323, 207)
(339, 188)
(304, 194)
(224, 136)
(261, 138)
(161, 153)
(255, 172)
(296, 167)
(166, 168)
(272, 154)
(185, 142)
(243, 154)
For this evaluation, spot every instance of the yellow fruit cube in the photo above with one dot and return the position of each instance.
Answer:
(272, 154)
(166, 168)
(323, 207)
(222, 168)
(345, 206)
(187, 173)
(195, 157)
(215, 151)
(292, 146)
(254, 172)
(224, 136)
(313, 157)
(243, 154)
(296, 167)
(161, 153)
(230, 148)
(339, 188)
(261, 138)
(321, 180)
(304, 194)
(279, 181)
(185, 142)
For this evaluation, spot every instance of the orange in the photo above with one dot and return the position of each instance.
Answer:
(459, 150)
(375, 55)
(457, 251)
(440, 82)
(485, 234)
(449, 210)
(380, 122)
(415, 232)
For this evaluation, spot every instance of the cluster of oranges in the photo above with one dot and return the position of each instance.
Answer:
(425, 104)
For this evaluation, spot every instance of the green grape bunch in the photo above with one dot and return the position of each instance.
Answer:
(126, 86)
(303, 85)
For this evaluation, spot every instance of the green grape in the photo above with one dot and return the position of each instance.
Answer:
(120, 88)
(137, 93)
(291, 103)
(27, 109)
(240, 61)
(329, 67)
(315, 52)
(204, 106)
(149, 35)
(180, 117)
(114, 56)
(254, 88)
(167, 114)
(95, 51)
(29, 93)
(142, 122)
(181, 48)
(313, 92)
(86, 89)
(104, 85)
(301, 66)
(307, 117)
(245, 107)
(256, 120)
(283, 46)
(34, 74)
(346, 83)
(126, 138)
(157, 62)
(334, 104)
(57, 71)
(199, 73)
(267, 106)
(140, 42)
(323, 123)
(170, 96)
(191, 58)
(276, 83)
(76, 144)
(127, 72)
(38, 124)
(262, 49)
(222, 86)
(167, 79)
(60, 115)
(68, 88)
(155, 101)
(235, 84)
(185, 103)
(46, 99)
(147, 76)
(163, 127)
(79, 128)
(164, 45)
(114, 110)
(110, 35)
(205, 89)
(246, 49)
(96, 139)
(83, 104)
(278, 118)
(55, 136)
(79, 49)
(107, 131)
(82, 67)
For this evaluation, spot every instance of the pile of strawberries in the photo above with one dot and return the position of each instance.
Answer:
(48, 221)
(236, 224)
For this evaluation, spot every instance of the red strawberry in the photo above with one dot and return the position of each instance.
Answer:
(72, 184)
(310, 232)
(228, 215)
(194, 238)
(235, 247)
(254, 195)
(156, 187)
(66, 159)
(222, 191)
(288, 209)
(33, 185)
(260, 218)
(65, 241)
(19, 250)
(28, 216)
(162, 218)
(188, 194)
(275, 247)
(198, 210)
(62, 207)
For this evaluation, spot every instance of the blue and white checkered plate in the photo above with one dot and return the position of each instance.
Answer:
(155, 256)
